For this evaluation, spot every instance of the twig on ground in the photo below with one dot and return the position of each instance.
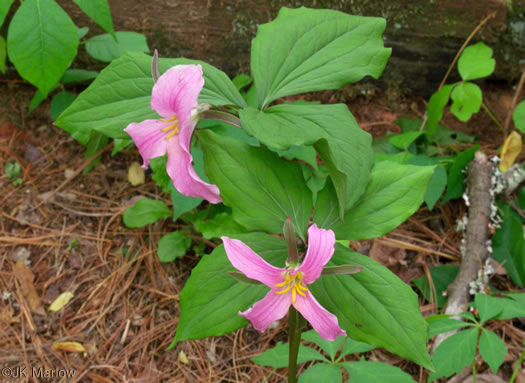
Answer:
(477, 234)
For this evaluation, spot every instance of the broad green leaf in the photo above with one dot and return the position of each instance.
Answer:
(316, 50)
(4, 9)
(485, 307)
(224, 129)
(82, 32)
(398, 158)
(436, 104)
(219, 225)
(518, 297)
(441, 325)
(375, 306)
(436, 187)
(173, 245)
(159, 173)
(442, 277)
(60, 102)
(321, 372)
(41, 42)
(3, 54)
(509, 247)
(182, 203)
(466, 99)
(211, 300)
(271, 189)
(456, 178)
(374, 372)
(345, 148)
(445, 137)
(302, 153)
(73, 76)
(492, 349)
(394, 194)
(510, 308)
(476, 62)
(404, 140)
(519, 117)
(99, 12)
(354, 347)
(38, 97)
(277, 357)
(144, 212)
(105, 48)
(121, 94)
(454, 353)
(96, 142)
(326, 211)
(330, 347)
(242, 81)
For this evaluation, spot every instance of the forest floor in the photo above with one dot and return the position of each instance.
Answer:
(61, 230)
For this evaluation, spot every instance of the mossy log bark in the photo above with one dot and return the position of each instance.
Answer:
(425, 35)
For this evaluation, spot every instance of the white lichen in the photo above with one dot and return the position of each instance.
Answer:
(479, 285)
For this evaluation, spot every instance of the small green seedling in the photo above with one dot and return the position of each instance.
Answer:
(459, 350)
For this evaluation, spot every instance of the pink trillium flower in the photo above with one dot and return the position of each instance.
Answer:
(288, 286)
(175, 98)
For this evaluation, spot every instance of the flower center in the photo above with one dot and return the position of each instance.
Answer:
(173, 127)
(294, 283)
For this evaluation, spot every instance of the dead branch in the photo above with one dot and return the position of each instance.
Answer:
(477, 234)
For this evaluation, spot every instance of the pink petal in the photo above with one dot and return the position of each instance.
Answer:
(271, 308)
(149, 138)
(186, 181)
(324, 322)
(321, 244)
(248, 262)
(177, 91)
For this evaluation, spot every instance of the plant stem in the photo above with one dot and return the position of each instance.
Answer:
(518, 366)
(220, 115)
(296, 327)
(474, 370)
(491, 115)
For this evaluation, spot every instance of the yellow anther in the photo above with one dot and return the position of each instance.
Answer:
(301, 287)
(172, 134)
(285, 290)
(173, 127)
(168, 128)
(294, 283)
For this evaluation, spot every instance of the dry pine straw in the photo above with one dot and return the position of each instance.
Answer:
(125, 308)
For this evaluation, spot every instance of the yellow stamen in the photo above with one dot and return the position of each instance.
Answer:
(286, 280)
(293, 282)
(168, 128)
(301, 287)
(174, 128)
(284, 291)
(171, 134)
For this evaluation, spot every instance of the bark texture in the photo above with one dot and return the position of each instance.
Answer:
(476, 236)
(424, 35)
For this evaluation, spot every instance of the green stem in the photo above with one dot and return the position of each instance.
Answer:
(518, 366)
(220, 115)
(296, 327)
(474, 370)
(491, 115)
